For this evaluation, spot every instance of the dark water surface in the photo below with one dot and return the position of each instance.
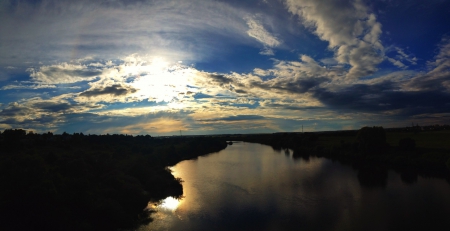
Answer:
(253, 187)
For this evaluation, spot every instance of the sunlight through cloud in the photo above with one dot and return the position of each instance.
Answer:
(170, 203)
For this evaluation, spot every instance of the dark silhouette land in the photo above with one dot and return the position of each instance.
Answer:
(104, 182)
(79, 182)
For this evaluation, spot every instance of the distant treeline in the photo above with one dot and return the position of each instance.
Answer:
(88, 182)
(415, 128)
(367, 151)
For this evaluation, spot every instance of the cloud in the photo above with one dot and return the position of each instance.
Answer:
(288, 77)
(38, 112)
(351, 31)
(235, 118)
(258, 32)
(63, 73)
(52, 106)
(66, 30)
(158, 126)
(33, 86)
(219, 79)
(267, 51)
(288, 92)
(397, 63)
(441, 63)
(438, 78)
(14, 109)
(401, 57)
(114, 90)
(384, 98)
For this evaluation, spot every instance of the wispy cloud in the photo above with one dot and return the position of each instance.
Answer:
(258, 32)
(63, 73)
(66, 30)
(401, 58)
(33, 86)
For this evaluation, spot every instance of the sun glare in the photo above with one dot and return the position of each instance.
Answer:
(161, 81)
(170, 203)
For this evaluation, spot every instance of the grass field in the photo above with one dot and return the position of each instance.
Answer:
(429, 139)
(432, 140)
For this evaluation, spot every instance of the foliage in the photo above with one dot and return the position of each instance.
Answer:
(79, 182)
(371, 139)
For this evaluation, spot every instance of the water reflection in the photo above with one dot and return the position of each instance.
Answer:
(253, 187)
(372, 176)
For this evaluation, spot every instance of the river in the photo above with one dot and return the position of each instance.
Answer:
(253, 187)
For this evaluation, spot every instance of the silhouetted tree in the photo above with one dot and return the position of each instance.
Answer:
(371, 139)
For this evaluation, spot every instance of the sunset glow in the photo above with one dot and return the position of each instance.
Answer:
(155, 67)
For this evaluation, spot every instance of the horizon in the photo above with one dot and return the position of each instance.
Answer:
(237, 67)
(444, 126)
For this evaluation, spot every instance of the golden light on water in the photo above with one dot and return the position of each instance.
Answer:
(170, 203)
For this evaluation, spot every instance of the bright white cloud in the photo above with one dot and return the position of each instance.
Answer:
(349, 28)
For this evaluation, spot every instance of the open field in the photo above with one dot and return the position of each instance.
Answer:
(428, 140)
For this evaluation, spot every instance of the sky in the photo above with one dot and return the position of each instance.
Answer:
(159, 67)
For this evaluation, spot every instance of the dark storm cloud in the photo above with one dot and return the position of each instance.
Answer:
(115, 90)
(384, 97)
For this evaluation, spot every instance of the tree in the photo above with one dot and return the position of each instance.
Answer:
(371, 139)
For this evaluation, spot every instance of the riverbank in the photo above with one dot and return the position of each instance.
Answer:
(78, 182)
(410, 153)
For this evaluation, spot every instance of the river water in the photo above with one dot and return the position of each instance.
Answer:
(253, 187)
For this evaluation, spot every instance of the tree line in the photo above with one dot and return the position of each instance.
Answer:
(369, 153)
(88, 182)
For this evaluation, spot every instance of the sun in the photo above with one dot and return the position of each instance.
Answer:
(170, 203)
(162, 81)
